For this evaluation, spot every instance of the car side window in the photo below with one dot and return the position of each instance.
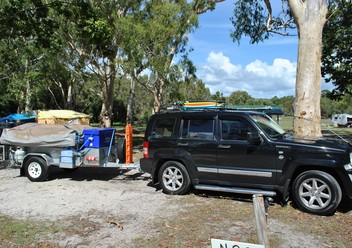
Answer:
(198, 129)
(234, 130)
(163, 128)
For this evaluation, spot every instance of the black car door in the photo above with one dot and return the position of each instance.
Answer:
(197, 139)
(241, 163)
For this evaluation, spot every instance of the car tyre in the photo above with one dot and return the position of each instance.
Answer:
(121, 150)
(36, 169)
(316, 192)
(174, 178)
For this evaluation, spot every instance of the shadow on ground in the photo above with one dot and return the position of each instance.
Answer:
(90, 174)
(345, 206)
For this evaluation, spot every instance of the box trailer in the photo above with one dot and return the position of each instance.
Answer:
(342, 120)
(35, 147)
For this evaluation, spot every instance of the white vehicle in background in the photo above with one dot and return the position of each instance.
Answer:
(342, 120)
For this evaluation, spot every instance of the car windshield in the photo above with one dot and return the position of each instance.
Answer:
(268, 125)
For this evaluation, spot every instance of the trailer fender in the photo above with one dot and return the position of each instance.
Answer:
(49, 160)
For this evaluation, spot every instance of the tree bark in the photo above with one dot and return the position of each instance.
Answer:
(69, 99)
(129, 118)
(158, 93)
(310, 17)
(108, 95)
(27, 106)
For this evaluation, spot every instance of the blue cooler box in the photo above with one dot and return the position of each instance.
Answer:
(98, 137)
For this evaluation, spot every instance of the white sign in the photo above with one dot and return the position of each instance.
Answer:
(218, 243)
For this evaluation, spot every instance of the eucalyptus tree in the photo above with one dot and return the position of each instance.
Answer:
(256, 20)
(185, 85)
(94, 34)
(164, 26)
(25, 33)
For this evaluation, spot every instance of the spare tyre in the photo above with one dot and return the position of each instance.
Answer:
(121, 150)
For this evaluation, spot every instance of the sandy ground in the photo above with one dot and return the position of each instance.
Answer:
(110, 210)
(90, 195)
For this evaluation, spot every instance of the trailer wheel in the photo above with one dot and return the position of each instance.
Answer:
(36, 169)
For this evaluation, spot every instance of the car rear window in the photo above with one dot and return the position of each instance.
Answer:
(198, 129)
(163, 128)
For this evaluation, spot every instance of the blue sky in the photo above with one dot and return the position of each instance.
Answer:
(264, 70)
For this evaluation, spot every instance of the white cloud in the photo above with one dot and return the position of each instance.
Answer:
(259, 79)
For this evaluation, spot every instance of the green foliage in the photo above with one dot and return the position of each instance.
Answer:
(286, 104)
(337, 53)
(249, 20)
(218, 96)
(239, 98)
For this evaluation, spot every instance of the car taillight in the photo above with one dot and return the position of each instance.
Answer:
(145, 149)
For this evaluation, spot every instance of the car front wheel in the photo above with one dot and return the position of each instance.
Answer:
(174, 178)
(316, 192)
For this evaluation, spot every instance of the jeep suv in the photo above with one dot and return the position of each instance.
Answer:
(245, 152)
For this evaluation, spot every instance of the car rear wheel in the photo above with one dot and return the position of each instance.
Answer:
(36, 169)
(174, 178)
(317, 192)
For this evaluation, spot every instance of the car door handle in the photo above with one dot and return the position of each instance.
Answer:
(182, 144)
(224, 146)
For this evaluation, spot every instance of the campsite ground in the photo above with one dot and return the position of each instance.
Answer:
(93, 207)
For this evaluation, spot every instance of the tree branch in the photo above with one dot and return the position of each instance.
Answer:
(270, 14)
(200, 10)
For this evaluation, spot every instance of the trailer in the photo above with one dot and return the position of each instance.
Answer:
(342, 120)
(36, 147)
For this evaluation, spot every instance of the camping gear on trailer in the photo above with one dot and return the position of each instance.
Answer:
(43, 135)
(35, 147)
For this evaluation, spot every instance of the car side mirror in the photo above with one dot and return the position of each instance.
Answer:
(254, 138)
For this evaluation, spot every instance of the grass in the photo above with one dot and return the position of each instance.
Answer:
(286, 122)
(21, 233)
(199, 220)
(202, 218)
(196, 220)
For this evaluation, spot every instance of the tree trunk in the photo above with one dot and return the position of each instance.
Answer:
(27, 106)
(310, 17)
(108, 96)
(158, 92)
(129, 118)
(69, 99)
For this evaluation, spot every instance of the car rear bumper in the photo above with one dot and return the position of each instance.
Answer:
(146, 165)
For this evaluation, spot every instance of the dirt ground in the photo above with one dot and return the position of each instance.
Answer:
(107, 209)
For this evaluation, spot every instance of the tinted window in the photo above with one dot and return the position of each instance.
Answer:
(163, 128)
(234, 130)
(269, 126)
(198, 129)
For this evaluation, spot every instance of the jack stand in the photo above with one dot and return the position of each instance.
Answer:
(267, 202)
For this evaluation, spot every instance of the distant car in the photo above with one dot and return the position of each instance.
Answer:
(245, 152)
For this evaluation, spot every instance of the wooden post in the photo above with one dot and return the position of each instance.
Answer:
(260, 218)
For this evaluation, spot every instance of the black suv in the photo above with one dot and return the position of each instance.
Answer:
(245, 152)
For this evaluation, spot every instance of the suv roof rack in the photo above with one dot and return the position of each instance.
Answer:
(213, 105)
(197, 105)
